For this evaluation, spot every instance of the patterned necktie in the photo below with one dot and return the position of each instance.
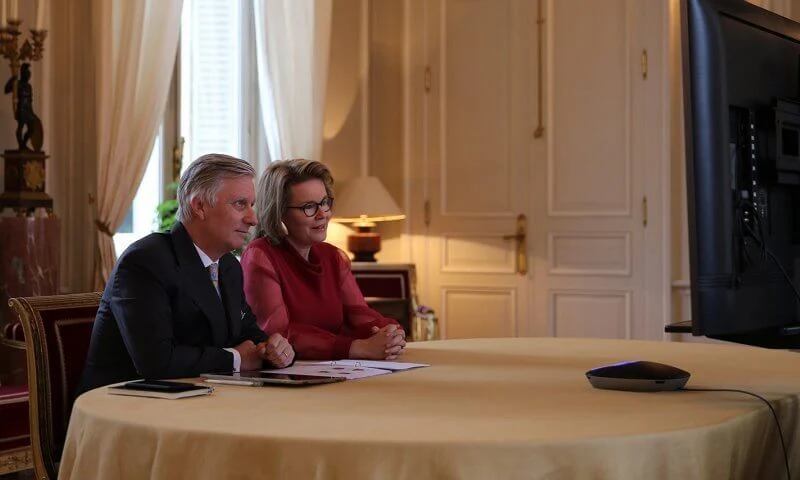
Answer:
(213, 272)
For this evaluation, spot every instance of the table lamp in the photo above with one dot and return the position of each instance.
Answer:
(363, 201)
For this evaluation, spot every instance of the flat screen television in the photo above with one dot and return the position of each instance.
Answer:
(741, 72)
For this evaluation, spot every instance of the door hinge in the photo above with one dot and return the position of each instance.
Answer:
(644, 211)
(644, 64)
(427, 79)
(427, 213)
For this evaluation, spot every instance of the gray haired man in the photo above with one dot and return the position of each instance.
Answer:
(174, 305)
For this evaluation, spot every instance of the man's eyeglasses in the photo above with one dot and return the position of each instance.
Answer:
(310, 208)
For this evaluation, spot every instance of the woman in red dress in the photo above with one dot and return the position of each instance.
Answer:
(301, 286)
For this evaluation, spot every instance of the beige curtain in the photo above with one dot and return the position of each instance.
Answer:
(136, 42)
(67, 103)
(292, 45)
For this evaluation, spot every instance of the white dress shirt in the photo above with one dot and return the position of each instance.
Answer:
(237, 359)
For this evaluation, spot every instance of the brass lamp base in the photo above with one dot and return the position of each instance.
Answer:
(364, 246)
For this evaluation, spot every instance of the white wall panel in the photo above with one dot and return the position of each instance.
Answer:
(479, 312)
(595, 314)
(589, 253)
(586, 124)
(476, 170)
(476, 253)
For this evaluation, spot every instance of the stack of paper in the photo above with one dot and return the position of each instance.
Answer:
(350, 369)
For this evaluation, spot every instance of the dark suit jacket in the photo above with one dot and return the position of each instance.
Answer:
(160, 316)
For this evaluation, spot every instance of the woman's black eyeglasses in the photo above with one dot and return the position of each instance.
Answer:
(310, 208)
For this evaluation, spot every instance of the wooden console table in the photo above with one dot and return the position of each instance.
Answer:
(389, 288)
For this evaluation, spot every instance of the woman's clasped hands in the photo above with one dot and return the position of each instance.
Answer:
(385, 344)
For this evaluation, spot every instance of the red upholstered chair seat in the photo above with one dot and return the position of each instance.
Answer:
(67, 338)
(15, 439)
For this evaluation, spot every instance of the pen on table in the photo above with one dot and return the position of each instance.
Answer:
(232, 382)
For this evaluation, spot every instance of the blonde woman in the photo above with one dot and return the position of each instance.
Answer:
(300, 286)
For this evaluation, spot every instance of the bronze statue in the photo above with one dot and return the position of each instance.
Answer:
(27, 121)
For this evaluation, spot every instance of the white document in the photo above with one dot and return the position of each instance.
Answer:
(325, 369)
(381, 364)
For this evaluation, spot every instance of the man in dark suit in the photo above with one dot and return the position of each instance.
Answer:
(174, 305)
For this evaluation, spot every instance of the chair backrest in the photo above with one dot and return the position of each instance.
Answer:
(58, 329)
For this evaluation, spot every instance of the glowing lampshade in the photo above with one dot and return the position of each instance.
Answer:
(363, 201)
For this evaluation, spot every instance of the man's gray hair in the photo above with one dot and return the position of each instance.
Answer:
(204, 178)
(274, 192)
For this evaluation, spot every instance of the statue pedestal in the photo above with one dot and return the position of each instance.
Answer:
(25, 182)
(29, 266)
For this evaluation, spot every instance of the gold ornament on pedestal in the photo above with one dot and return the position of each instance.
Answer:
(25, 166)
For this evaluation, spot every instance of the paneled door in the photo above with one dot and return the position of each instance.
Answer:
(538, 144)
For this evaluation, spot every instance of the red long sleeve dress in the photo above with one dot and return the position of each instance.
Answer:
(315, 304)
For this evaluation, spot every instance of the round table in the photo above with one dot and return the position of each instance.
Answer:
(485, 408)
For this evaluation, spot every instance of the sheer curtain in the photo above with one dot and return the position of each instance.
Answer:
(136, 42)
(292, 45)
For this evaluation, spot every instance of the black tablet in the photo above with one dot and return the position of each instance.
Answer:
(160, 386)
(160, 389)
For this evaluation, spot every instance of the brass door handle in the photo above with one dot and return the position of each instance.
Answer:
(521, 244)
(520, 237)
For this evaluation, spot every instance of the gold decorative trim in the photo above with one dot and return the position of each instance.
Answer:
(40, 410)
(15, 460)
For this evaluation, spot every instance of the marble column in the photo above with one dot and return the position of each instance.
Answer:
(29, 266)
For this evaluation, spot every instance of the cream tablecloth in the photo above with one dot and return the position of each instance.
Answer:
(487, 408)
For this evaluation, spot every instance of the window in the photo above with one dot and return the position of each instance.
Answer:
(210, 78)
(215, 108)
(140, 219)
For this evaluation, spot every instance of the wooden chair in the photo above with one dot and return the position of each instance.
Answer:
(15, 440)
(57, 333)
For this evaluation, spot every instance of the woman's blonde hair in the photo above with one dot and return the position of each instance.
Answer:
(274, 192)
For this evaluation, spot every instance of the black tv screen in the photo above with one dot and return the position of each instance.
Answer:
(741, 70)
